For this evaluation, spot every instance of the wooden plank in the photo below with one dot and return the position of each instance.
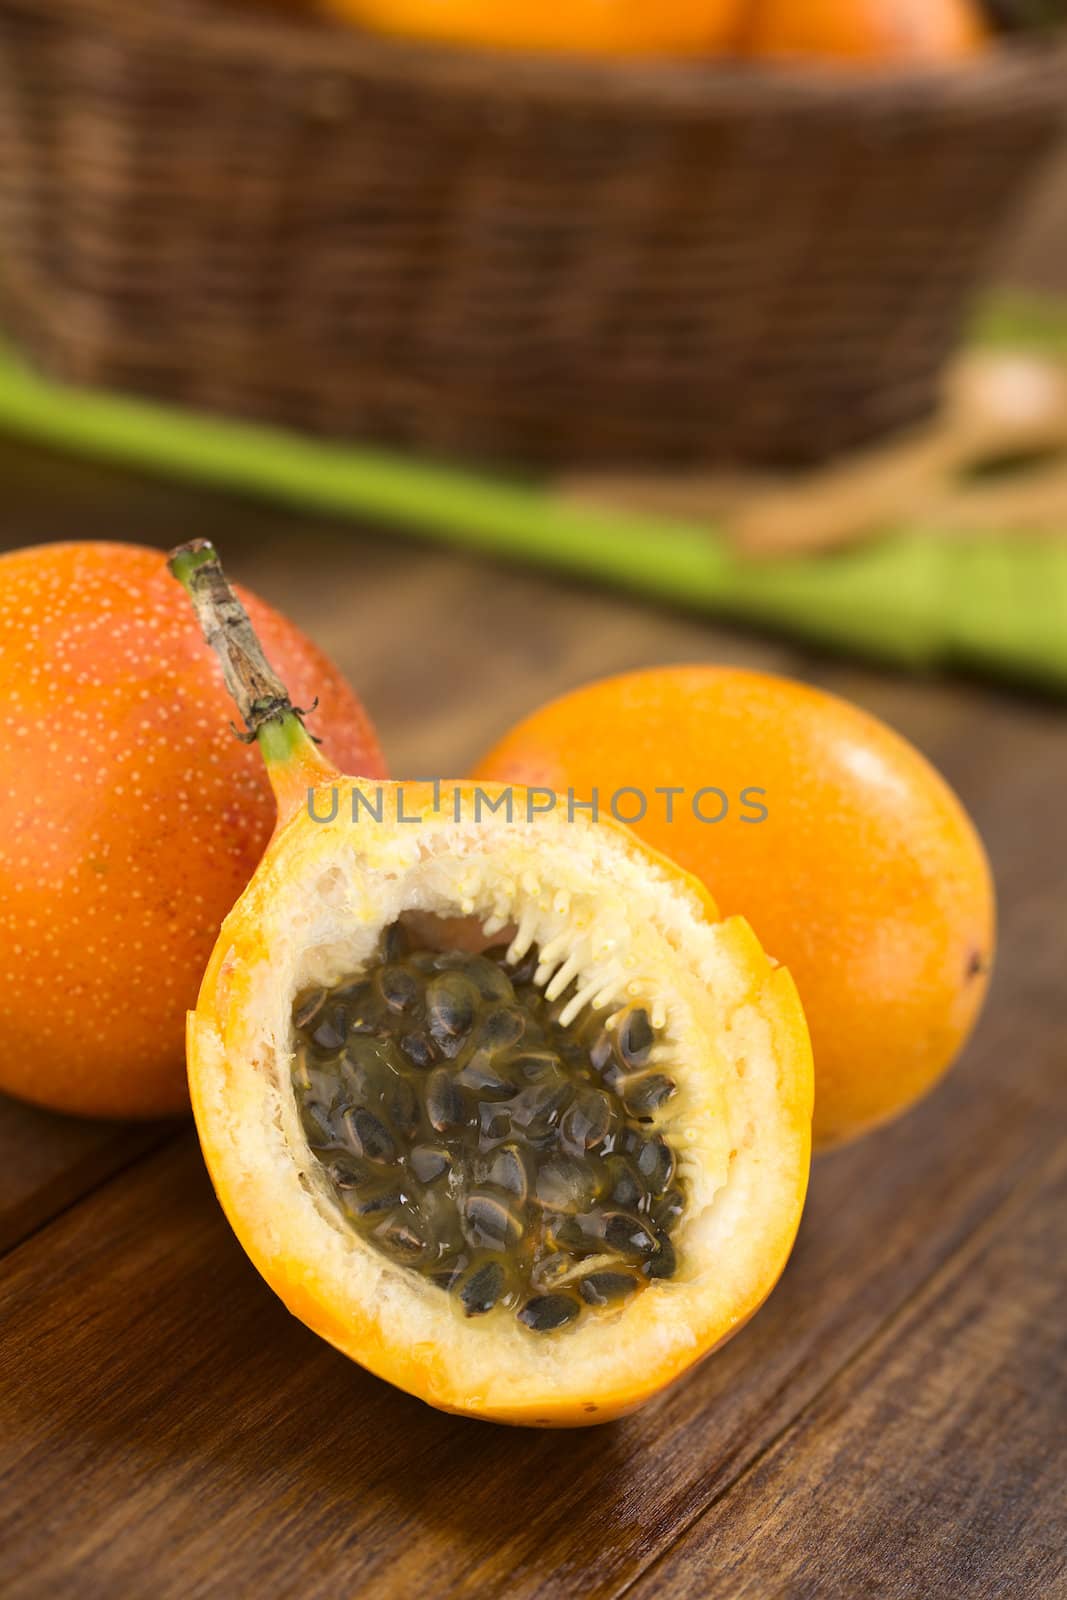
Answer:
(219, 1447)
(935, 1464)
(48, 1162)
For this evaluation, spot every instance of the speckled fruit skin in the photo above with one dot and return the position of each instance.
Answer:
(591, 27)
(131, 818)
(865, 32)
(866, 879)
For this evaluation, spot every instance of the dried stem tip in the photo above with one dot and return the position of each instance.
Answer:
(259, 694)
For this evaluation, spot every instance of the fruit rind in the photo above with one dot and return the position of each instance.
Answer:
(320, 896)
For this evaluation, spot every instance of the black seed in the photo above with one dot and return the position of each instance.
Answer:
(400, 1236)
(491, 982)
(540, 1107)
(501, 1028)
(308, 1007)
(603, 1288)
(587, 1121)
(576, 1233)
(628, 1235)
(482, 1289)
(655, 1163)
(647, 1093)
(331, 1029)
(451, 1001)
(625, 1192)
(562, 1185)
(635, 1037)
(444, 1102)
(317, 1120)
(489, 1224)
(367, 1136)
(547, 1311)
(369, 1202)
(419, 1049)
(429, 1162)
(399, 988)
(347, 1174)
(507, 1171)
(664, 1263)
(315, 1096)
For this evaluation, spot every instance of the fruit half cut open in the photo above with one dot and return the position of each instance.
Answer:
(495, 1101)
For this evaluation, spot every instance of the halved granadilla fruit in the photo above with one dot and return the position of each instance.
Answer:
(491, 1096)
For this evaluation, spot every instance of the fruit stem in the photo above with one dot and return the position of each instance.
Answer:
(294, 763)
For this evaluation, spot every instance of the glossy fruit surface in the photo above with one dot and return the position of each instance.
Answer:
(873, 32)
(130, 819)
(864, 876)
(589, 27)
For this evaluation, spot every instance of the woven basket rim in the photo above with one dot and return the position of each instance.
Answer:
(1013, 71)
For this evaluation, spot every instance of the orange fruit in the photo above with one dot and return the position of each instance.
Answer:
(593, 27)
(851, 857)
(130, 819)
(877, 32)
(498, 1105)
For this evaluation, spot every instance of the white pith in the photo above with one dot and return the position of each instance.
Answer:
(621, 928)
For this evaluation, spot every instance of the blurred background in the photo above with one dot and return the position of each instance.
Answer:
(747, 307)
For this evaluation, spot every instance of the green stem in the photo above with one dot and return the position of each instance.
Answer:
(269, 716)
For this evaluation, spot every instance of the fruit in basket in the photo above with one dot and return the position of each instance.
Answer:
(130, 819)
(494, 1100)
(590, 27)
(864, 875)
(878, 32)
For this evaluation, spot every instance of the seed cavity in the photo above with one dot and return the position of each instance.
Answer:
(474, 1137)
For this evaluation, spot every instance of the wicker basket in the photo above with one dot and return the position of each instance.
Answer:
(501, 258)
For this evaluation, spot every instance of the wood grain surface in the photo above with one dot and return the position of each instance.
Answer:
(892, 1422)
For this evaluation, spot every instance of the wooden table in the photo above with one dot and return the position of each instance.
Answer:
(886, 1427)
